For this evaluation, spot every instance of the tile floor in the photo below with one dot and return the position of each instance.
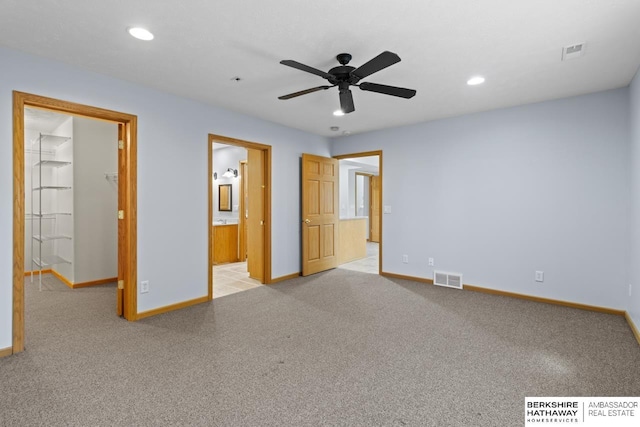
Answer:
(365, 265)
(231, 278)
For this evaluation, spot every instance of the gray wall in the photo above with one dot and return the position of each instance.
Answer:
(172, 176)
(633, 306)
(498, 195)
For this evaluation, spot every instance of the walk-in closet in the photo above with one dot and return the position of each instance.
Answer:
(71, 199)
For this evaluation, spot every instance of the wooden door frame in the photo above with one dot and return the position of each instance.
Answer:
(267, 201)
(242, 235)
(367, 154)
(371, 207)
(22, 100)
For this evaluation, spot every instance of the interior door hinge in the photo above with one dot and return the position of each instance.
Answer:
(120, 144)
(120, 284)
(120, 214)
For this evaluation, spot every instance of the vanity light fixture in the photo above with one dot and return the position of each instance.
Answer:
(230, 173)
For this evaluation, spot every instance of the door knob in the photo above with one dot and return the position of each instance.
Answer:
(307, 221)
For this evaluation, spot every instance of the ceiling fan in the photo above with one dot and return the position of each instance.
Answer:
(345, 75)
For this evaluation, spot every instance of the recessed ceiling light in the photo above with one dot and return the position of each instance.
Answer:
(475, 80)
(338, 113)
(140, 33)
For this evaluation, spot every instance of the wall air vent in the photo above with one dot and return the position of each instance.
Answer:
(573, 51)
(450, 280)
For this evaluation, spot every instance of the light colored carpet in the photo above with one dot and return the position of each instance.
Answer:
(339, 348)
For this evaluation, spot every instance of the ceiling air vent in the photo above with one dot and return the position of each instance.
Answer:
(573, 51)
(450, 280)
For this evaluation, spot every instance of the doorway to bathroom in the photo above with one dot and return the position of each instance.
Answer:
(239, 215)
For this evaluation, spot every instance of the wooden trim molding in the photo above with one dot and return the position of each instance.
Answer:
(172, 307)
(82, 284)
(380, 174)
(403, 277)
(4, 352)
(28, 273)
(545, 300)
(129, 180)
(633, 326)
(362, 154)
(283, 278)
(62, 278)
(587, 307)
(18, 222)
(95, 282)
(210, 220)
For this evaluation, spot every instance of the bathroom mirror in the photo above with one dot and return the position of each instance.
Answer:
(224, 197)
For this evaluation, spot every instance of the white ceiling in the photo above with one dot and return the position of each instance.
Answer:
(42, 121)
(201, 45)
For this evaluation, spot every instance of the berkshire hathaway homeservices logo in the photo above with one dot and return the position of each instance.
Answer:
(582, 411)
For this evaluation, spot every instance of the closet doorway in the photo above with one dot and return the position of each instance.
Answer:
(71, 200)
(125, 146)
(239, 215)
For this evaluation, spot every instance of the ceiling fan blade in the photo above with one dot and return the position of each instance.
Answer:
(302, 67)
(388, 90)
(304, 92)
(382, 61)
(346, 101)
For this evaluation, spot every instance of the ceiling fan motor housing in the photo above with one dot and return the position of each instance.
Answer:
(341, 73)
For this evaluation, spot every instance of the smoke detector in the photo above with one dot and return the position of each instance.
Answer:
(573, 51)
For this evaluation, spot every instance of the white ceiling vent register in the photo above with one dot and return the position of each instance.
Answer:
(450, 280)
(573, 51)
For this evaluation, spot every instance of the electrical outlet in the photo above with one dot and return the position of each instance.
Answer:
(539, 276)
(431, 263)
(405, 259)
(387, 209)
(144, 286)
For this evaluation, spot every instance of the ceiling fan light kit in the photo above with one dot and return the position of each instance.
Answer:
(344, 76)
